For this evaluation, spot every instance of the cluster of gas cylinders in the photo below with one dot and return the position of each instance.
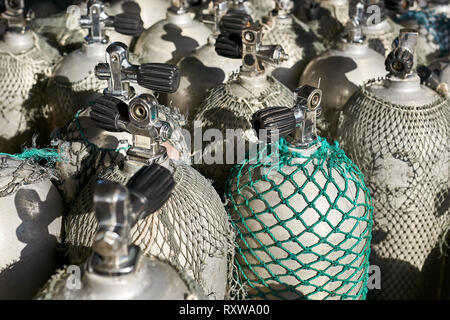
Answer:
(224, 149)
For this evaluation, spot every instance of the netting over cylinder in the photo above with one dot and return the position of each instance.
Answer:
(222, 110)
(191, 231)
(402, 151)
(304, 224)
(66, 98)
(19, 74)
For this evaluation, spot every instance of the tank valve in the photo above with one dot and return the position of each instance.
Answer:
(141, 119)
(15, 18)
(178, 6)
(97, 21)
(249, 47)
(118, 209)
(400, 60)
(353, 29)
(297, 123)
(120, 72)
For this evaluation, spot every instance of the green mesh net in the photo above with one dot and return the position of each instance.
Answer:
(304, 221)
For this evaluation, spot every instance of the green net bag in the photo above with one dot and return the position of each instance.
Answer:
(304, 221)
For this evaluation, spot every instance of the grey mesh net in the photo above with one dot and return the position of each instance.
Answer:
(65, 99)
(20, 74)
(222, 110)
(190, 228)
(403, 153)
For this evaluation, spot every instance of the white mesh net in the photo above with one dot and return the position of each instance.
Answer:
(19, 75)
(189, 228)
(222, 110)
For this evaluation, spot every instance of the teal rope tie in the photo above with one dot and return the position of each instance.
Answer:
(89, 143)
(48, 154)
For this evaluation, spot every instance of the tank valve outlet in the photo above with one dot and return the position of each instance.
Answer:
(250, 49)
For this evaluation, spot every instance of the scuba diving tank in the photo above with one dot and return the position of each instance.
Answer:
(397, 131)
(326, 18)
(379, 29)
(172, 38)
(73, 83)
(191, 231)
(301, 210)
(26, 60)
(116, 269)
(205, 69)
(88, 148)
(341, 70)
(229, 107)
(296, 38)
(30, 227)
(151, 11)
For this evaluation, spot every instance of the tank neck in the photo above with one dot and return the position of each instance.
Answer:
(130, 166)
(94, 49)
(18, 42)
(410, 83)
(352, 47)
(252, 81)
(179, 18)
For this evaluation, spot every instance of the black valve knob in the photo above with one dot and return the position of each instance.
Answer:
(109, 113)
(153, 183)
(272, 119)
(129, 23)
(428, 77)
(160, 77)
(235, 23)
(3, 26)
(399, 62)
(229, 46)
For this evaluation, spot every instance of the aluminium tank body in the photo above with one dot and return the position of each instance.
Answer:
(173, 38)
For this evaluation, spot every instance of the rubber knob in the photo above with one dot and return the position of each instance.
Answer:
(109, 113)
(3, 26)
(129, 23)
(399, 62)
(161, 77)
(235, 23)
(428, 77)
(229, 46)
(272, 119)
(398, 6)
(154, 183)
